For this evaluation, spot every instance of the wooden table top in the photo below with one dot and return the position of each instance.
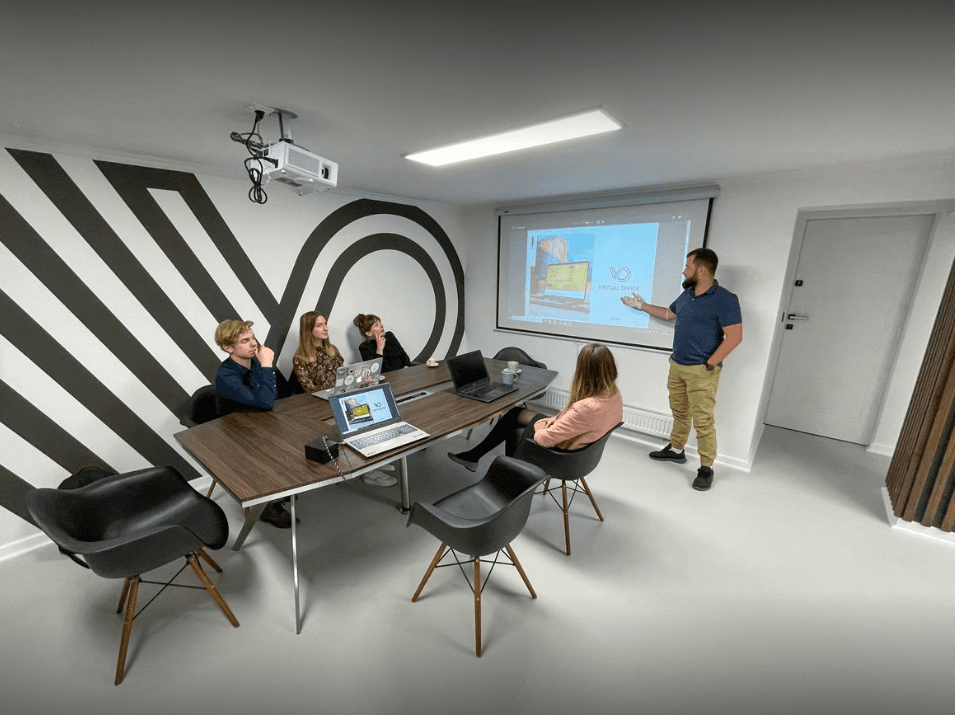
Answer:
(259, 455)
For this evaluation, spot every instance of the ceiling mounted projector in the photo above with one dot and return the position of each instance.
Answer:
(284, 161)
(298, 168)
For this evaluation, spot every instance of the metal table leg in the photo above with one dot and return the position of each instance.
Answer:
(403, 484)
(298, 616)
(251, 517)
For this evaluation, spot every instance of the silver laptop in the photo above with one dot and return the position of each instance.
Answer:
(353, 377)
(369, 420)
(471, 379)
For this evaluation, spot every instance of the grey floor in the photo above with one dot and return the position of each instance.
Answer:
(780, 591)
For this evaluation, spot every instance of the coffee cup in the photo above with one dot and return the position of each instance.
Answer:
(507, 376)
(513, 366)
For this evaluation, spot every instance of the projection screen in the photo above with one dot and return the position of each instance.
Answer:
(562, 268)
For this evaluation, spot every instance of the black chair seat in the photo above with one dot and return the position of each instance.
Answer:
(484, 517)
(125, 525)
(479, 520)
(566, 465)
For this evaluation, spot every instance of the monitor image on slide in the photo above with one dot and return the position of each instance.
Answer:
(563, 273)
(357, 411)
(564, 285)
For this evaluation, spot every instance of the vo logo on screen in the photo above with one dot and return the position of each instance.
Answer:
(621, 274)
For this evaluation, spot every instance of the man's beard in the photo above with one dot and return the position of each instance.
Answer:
(689, 283)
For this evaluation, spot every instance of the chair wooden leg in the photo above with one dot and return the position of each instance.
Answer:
(201, 552)
(477, 605)
(123, 595)
(130, 589)
(563, 493)
(211, 589)
(212, 488)
(592, 500)
(427, 574)
(520, 569)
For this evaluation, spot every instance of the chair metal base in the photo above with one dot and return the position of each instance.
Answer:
(477, 586)
(565, 503)
(131, 591)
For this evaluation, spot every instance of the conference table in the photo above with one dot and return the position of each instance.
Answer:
(259, 457)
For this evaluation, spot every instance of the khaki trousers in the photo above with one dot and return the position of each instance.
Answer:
(692, 400)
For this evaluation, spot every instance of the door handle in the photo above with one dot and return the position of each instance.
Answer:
(797, 316)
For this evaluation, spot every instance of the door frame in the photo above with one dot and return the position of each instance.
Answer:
(935, 208)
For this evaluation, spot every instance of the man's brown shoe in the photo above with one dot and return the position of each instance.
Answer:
(275, 515)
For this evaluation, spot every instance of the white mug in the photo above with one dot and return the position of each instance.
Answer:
(507, 376)
(512, 365)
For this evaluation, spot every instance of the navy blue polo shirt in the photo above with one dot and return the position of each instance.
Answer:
(700, 320)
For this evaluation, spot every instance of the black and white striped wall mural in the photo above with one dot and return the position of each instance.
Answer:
(114, 277)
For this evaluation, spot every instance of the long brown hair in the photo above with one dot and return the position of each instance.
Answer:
(307, 349)
(596, 374)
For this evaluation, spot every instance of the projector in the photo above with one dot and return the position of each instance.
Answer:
(299, 168)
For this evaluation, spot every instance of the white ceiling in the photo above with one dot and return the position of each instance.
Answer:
(706, 90)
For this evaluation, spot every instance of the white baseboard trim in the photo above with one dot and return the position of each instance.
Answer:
(651, 443)
(909, 527)
(886, 450)
(23, 546)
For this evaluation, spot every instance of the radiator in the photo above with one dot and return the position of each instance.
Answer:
(634, 418)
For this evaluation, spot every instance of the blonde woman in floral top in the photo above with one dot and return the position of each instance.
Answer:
(316, 359)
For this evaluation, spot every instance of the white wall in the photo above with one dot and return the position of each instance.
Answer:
(752, 231)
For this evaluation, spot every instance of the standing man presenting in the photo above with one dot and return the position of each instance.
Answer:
(708, 327)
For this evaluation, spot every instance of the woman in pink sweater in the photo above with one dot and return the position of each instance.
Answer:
(595, 406)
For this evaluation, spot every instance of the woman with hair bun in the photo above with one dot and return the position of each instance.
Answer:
(379, 343)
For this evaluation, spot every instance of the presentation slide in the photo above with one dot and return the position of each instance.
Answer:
(366, 408)
(563, 273)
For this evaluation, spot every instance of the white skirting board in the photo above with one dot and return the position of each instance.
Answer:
(886, 450)
(23, 546)
(909, 527)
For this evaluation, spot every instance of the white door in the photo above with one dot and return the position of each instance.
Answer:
(853, 286)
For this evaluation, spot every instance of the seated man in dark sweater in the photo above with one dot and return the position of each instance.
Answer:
(245, 381)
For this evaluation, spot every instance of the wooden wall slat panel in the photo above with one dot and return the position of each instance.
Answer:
(920, 476)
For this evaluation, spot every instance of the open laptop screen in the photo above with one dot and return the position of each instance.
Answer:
(358, 374)
(467, 369)
(364, 409)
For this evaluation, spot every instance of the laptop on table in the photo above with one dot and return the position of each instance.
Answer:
(369, 421)
(471, 379)
(352, 377)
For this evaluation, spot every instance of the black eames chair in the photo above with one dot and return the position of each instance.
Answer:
(124, 525)
(480, 520)
(512, 353)
(200, 408)
(522, 358)
(566, 466)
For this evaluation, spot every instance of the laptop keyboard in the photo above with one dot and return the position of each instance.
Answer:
(481, 391)
(384, 435)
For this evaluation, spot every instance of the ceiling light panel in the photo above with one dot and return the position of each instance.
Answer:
(576, 126)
